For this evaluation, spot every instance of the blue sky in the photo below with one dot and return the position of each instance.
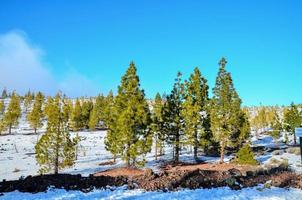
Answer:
(84, 47)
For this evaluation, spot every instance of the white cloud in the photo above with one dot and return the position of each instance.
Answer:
(22, 67)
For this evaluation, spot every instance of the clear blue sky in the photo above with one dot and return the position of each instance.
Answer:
(260, 39)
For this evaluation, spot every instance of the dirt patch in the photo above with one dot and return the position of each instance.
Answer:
(123, 171)
(106, 163)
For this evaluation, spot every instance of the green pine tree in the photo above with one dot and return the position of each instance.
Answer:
(292, 119)
(228, 122)
(28, 98)
(87, 107)
(195, 112)
(67, 110)
(13, 112)
(36, 115)
(173, 120)
(2, 122)
(131, 120)
(2, 107)
(157, 124)
(55, 150)
(97, 112)
(94, 117)
(245, 156)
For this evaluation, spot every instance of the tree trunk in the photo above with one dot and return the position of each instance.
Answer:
(195, 145)
(128, 156)
(222, 151)
(295, 141)
(35, 129)
(156, 147)
(177, 148)
(10, 129)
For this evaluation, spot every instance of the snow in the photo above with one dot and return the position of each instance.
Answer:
(17, 155)
(225, 193)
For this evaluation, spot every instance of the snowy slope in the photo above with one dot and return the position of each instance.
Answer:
(256, 193)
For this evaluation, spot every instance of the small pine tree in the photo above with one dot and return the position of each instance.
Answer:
(93, 118)
(13, 112)
(245, 156)
(36, 115)
(2, 107)
(2, 122)
(76, 116)
(28, 98)
(55, 150)
(4, 94)
(292, 119)
(87, 107)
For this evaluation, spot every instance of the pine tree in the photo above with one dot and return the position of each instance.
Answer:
(292, 119)
(195, 112)
(36, 115)
(245, 156)
(93, 118)
(2, 107)
(173, 121)
(55, 150)
(97, 112)
(131, 120)
(13, 112)
(76, 116)
(228, 122)
(87, 107)
(2, 122)
(106, 115)
(4, 94)
(157, 122)
(67, 110)
(28, 98)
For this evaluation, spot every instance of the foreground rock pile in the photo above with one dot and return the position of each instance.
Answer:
(165, 180)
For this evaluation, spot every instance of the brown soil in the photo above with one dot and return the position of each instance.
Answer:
(126, 172)
(175, 177)
(212, 167)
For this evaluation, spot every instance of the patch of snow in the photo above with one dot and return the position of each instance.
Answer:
(255, 193)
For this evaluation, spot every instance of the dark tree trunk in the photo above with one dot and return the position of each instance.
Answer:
(222, 151)
(295, 140)
(177, 147)
(156, 147)
(195, 145)
(10, 129)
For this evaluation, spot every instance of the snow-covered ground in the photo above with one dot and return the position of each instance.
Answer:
(255, 193)
(294, 160)
(17, 155)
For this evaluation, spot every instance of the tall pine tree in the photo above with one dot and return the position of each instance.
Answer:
(13, 112)
(228, 122)
(195, 112)
(131, 121)
(157, 124)
(36, 115)
(55, 150)
(173, 120)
